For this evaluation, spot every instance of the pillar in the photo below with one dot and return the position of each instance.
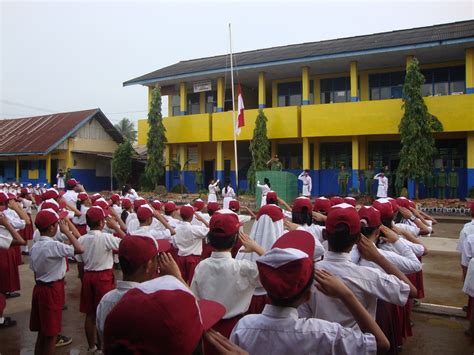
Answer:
(202, 102)
(470, 160)
(183, 97)
(70, 145)
(274, 94)
(363, 153)
(355, 162)
(470, 71)
(274, 147)
(220, 95)
(364, 86)
(170, 105)
(305, 85)
(262, 93)
(183, 158)
(48, 168)
(317, 90)
(354, 86)
(306, 162)
(150, 97)
(17, 170)
(408, 60)
(168, 172)
(220, 162)
(316, 167)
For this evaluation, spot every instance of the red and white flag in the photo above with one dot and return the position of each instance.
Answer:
(240, 118)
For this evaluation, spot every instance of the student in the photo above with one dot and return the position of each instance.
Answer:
(189, 239)
(73, 187)
(350, 201)
(152, 227)
(307, 184)
(60, 179)
(116, 202)
(382, 188)
(138, 257)
(287, 273)
(127, 209)
(228, 194)
(266, 187)
(368, 284)
(467, 229)
(171, 212)
(223, 279)
(27, 202)
(98, 263)
(48, 262)
(83, 204)
(213, 190)
(129, 192)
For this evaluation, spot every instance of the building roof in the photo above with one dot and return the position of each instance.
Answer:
(449, 33)
(41, 134)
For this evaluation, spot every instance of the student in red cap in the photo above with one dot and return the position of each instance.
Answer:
(8, 237)
(287, 273)
(350, 200)
(127, 207)
(153, 224)
(368, 284)
(27, 202)
(48, 262)
(138, 257)
(73, 187)
(336, 200)
(212, 207)
(116, 203)
(223, 279)
(171, 212)
(98, 261)
(83, 204)
(188, 240)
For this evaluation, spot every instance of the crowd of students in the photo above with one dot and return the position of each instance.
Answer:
(326, 276)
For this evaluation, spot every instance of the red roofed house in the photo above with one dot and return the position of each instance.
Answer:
(32, 149)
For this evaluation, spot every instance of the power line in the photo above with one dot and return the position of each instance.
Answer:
(27, 106)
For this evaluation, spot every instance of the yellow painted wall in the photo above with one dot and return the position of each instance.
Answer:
(94, 145)
(382, 116)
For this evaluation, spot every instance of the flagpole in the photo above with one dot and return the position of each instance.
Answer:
(233, 109)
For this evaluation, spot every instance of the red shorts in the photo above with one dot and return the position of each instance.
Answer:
(47, 308)
(27, 232)
(95, 284)
(187, 264)
(9, 275)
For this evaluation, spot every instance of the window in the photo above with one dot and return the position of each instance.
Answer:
(291, 155)
(333, 155)
(175, 105)
(193, 104)
(385, 86)
(444, 81)
(335, 90)
(290, 94)
(211, 101)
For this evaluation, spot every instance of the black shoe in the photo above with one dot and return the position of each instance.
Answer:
(464, 308)
(62, 340)
(12, 294)
(65, 307)
(7, 322)
(26, 253)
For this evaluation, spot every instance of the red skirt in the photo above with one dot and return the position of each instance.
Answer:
(187, 264)
(27, 232)
(95, 284)
(9, 275)
(257, 304)
(16, 250)
(81, 228)
(387, 323)
(47, 308)
(3, 304)
(407, 318)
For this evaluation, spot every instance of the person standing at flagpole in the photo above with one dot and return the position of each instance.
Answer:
(307, 183)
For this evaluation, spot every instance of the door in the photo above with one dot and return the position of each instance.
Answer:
(208, 172)
(54, 171)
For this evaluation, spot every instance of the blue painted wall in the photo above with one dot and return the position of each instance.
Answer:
(90, 181)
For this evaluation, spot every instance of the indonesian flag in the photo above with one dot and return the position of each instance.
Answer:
(240, 118)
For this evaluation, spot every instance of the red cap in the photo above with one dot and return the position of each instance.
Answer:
(403, 202)
(115, 198)
(336, 200)
(174, 321)
(126, 203)
(322, 204)
(52, 204)
(170, 207)
(300, 203)
(50, 193)
(144, 212)
(213, 207)
(137, 250)
(24, 191)
(47, 217)
(272, 211)
(72, 182)
(198, 204)
(95, 197)
(139, 201)
(186, 212)
(411, 204)
(384, 207)
(350, 200)
(272, 196)
(102, 204)
(394, 204)
(234, 205)
(156, 205)
(82, 196)
(471, 207)
(96, 214)
(287, 268)
(343, 214)
(370, 215)
(224, 223)
(4, 197)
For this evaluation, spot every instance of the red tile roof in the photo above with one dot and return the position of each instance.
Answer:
(41, 134)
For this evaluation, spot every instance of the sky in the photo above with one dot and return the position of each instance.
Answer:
(58, 56)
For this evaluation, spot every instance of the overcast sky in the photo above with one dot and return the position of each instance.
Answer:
(66, 56)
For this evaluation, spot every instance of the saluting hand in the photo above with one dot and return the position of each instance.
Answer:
(330, 285)
(223, 345)
(168, 266)
(367, 249)
(389, 235)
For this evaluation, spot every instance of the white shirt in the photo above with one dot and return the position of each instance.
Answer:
(412, 228)
(5, 238)
(279, 331)
(98, 247)
(467, 251)
(230, 192)
(265, 189)
(467, 229)
(417, 249)
(225, 280)
(132, 195)
(132, 222)
(14, 219)
(316, 232)
(307, 183)
(189, 237)
(367, 283)
(26, 205)
(383, 185)
(81, 220)
(48, 259)
(468, 287)
(117, 209)
(71, 197)
(149, 231)
(108, 302)
(173, 222)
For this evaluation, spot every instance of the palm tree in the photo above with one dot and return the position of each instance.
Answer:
(127, 129)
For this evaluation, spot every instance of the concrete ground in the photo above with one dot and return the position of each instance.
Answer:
(433, 334)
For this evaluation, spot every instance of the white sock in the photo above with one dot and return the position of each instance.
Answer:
(24, 248)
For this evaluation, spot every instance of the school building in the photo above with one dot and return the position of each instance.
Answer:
(32, 149)
(328, 103)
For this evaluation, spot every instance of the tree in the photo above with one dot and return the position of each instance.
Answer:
(127, 129)
(122, 162)
(259, 148)
(416, 127)
(155, 165)
(176, 165)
